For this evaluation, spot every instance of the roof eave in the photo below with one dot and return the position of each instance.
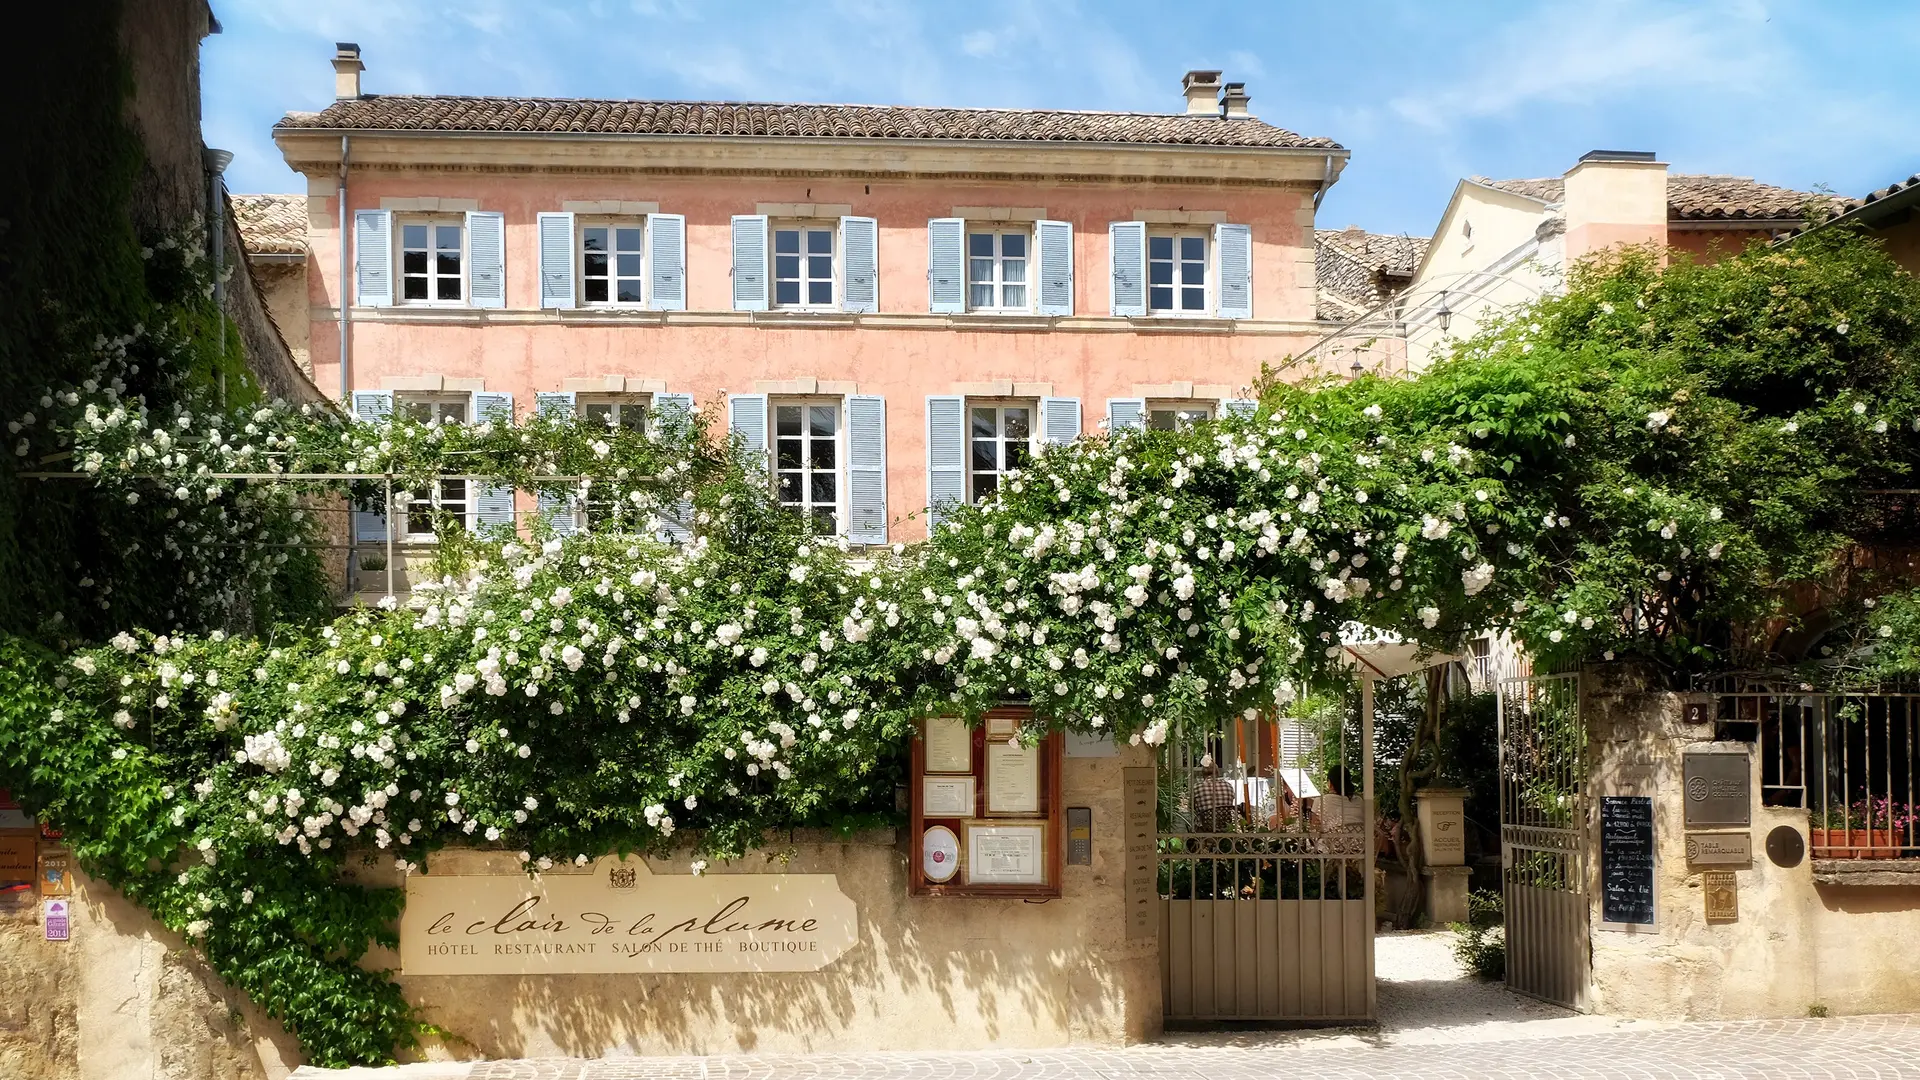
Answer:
(1333, 149)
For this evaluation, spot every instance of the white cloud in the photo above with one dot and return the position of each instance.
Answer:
(978, 43)
(1587, 54)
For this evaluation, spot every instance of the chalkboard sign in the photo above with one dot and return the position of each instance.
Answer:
(1626, 860)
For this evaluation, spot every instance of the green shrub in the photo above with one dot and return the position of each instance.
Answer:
(1481, 942)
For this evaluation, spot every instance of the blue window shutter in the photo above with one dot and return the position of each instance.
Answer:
(1239, 407)
(859, 264)
(674, 411)
(750, 262)
(866, 469)
(667, 262)
(1055, 240)
(946, 456)
(492, 406)
(554, 404)
(747, 421)
(556, 260)
(1127, 243)
(486, 258)
(557, 510)
(1126, 414)
(373, 258)
(371, 406)
(493, 506)
(1235, 245)
(946, 266)
(1059, 419)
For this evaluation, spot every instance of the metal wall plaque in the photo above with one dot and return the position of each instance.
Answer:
(1720, 849)
(1719, 790)
(1079, 836)
(1786, 847)
(1722, 891)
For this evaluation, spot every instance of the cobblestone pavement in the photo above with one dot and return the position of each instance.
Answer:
(1829, 1049)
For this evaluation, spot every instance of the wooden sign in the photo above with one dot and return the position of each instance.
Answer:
(622, 918)
(985, 814)
(1722, 891)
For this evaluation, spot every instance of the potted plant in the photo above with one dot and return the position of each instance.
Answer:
(1864, 830)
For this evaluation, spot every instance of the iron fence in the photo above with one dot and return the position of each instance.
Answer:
(1851, 760)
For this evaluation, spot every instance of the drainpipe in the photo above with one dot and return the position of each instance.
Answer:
(217, 162)
(1326, 181)
(346, 319)
(345, 298)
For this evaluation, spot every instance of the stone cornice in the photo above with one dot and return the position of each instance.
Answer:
(317, 153)
(827, 320)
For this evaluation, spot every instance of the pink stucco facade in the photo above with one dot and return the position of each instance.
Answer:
(902, 352)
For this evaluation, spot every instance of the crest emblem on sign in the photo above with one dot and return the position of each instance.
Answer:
(621, 877)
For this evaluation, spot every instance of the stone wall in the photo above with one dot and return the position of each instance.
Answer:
(927, 972)
(122, 998)
(125, 997)
(1795, 945)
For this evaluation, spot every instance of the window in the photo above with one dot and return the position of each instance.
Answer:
(1177, 273)
(610, 263)
(1171, 417)
(807, 461)
(1001, 438)
(431, 252)
(627, 411)
(997, 271)
(803, 266)
(448, 500)
(615, 410)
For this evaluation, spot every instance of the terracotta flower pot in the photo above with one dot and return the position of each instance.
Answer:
(1852, 843)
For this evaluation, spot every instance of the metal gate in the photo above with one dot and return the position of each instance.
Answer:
(1266, 889)
(1543, 839)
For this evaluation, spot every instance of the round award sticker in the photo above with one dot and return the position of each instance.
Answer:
(939, 854)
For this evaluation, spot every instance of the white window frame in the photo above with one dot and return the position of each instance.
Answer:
(1182, 410)
(1000, 440)
(998, 259)
(640, 224)
(437, 406)
(1209, 273)
(433, 224)
(633, 412)
(838, 470)
(806, 228)
(620, 404)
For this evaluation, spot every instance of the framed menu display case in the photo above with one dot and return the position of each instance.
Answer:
(987, 815)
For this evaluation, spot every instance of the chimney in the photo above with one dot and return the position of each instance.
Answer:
(1615, 198)
(346, 71)
(1202, 89)
(1234, 101)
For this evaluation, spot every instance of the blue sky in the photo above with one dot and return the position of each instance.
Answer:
(1422, 91)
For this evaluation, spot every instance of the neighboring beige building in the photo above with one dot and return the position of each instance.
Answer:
(273, 229)
(1505, 242)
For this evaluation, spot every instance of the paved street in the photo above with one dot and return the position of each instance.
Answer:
(1832, 1049)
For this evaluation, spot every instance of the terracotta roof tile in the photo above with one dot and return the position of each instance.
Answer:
(271, 224)
(484, 114)
(1356, 269)
(1694, 196)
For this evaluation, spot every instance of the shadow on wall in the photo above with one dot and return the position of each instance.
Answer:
(925, 973)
